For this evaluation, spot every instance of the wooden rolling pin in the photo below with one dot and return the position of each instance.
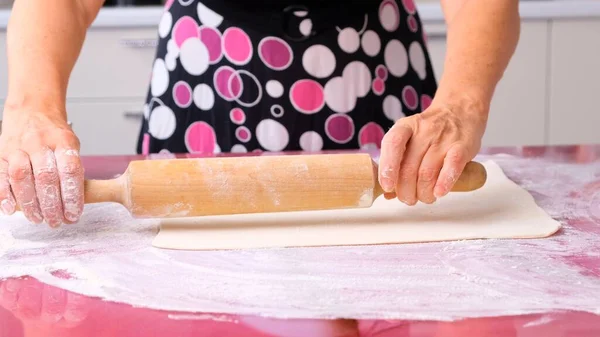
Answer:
(235, 185)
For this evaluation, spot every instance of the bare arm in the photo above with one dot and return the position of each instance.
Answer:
(482, 37)
(44, 39)
(40, 168)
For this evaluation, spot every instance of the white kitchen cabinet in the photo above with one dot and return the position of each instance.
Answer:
(518, 110)
(113, 63)
(575, 82)
(107, 127)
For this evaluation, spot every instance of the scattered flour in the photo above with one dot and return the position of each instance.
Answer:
(109, 255)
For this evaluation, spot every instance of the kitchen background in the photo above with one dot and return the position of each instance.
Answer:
(548, 94)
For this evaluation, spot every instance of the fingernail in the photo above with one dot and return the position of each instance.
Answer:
(7, 207)
(386, 182)
(37, 218)
(439, 192)
(71, 217)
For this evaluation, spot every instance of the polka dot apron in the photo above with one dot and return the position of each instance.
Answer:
(281, 77)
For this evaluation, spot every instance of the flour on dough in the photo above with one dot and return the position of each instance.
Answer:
(499, 210)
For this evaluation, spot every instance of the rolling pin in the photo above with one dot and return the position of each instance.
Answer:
(235, 185)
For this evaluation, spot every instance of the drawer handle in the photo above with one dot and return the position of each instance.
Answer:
(133, 115)
(139, 43)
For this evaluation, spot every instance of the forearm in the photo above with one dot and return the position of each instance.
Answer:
(482, 37)
(44, 39)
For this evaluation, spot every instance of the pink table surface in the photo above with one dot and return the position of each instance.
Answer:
(23, 311)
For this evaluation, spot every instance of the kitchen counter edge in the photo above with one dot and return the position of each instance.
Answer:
(142, 17)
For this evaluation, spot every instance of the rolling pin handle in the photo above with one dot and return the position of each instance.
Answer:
(112, 190)
(473, 177)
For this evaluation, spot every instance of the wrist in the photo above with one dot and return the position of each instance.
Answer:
(28, 103)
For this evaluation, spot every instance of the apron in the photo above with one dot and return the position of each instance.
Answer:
(276, 77)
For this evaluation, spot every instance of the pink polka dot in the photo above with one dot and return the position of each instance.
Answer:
(275, 53)
(425, 101)
(228, 83)
(381, 72)
(184, 28)
(378, 86)
(182, 94)
(237, 116)
(409, 97)
(409, 5)
(237, 46)
(307, 96)
(200, 138)
(243, 134)
(371, 133)
(339, 128)
(146, 144)
(168, 4)
(412, 24)
(211, 38)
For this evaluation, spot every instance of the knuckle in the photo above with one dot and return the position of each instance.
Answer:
(71, 168)
(19, 172)
(457, 155)
(46, 176)
(427, 174)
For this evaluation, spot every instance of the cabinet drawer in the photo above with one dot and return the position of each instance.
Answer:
(518, 110)
(112, 63)
(107, 128)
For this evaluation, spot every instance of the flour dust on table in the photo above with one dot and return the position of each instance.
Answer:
(110, 255)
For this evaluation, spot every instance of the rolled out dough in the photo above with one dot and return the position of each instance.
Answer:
(499, 210)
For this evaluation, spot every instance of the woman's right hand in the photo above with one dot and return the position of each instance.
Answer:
(40, 168)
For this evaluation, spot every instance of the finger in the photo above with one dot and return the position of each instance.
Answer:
(428, 174)
(22, 183)
(393, 146)
(406, 187)
(29, 302)
(9, 292)
(54, 301)
(47, 185)
(7, 200)
(70, 171)
(454, 162)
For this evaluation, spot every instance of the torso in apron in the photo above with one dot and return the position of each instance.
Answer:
(282, 77)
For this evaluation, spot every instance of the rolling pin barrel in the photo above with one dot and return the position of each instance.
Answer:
(255, 184)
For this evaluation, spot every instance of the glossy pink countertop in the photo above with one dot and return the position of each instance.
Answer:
(30, 308)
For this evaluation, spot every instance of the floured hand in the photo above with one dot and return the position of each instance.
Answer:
(422, 156)
(40, 168)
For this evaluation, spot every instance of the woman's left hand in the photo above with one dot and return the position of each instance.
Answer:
(423, 155)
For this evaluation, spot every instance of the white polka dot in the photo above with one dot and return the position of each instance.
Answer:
(300, 14)
(417, 59)
(160, 78)
(238, 148)
(208, 17)
(161, 124)
(172, 47)
(217, 149)
(166, 22)
(204, 97)
(392, 108)
(311, 141)
(389, 15)
(171, 61)
(371, 43)
(271, 135)
(349, 40)
(318, 61)
(306, 27)
(339, 96)
(357, 78)
(146, 110)
(396, 58)
(274, 88)
(194, 56)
